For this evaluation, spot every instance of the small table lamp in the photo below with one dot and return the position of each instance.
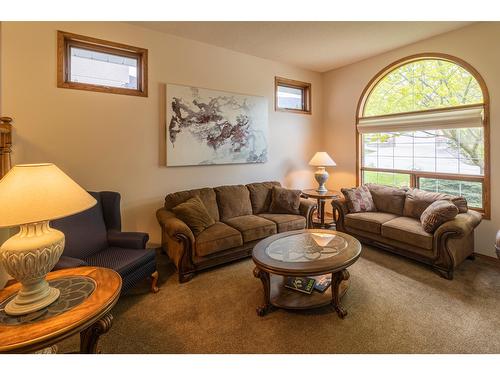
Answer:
(321, 160)
(30, 196)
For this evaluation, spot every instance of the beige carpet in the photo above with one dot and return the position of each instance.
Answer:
(394, 306)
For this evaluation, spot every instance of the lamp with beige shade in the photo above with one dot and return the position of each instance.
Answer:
(321, 160)
(30, 196)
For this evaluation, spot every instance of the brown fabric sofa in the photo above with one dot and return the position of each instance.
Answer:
(395, 227)
(242, 218)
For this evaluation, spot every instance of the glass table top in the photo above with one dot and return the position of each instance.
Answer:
(306, 247)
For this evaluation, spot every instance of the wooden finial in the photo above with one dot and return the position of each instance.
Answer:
(6, 120)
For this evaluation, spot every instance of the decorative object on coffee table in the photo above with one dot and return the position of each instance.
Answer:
(297, 254)
(30, 196)
(87, 296)
(321, 160)
(321, 199)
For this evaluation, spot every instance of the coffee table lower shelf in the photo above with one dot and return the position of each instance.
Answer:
(277, 295)
(286, 298)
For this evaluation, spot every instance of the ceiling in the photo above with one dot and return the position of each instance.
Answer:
(316, 46)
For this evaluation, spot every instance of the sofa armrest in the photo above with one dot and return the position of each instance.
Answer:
(172, 226)
(460, 226)
(307, 208)
(69, 262)
(454, 241)
(177, 240)
(340, 209)
(127, 240)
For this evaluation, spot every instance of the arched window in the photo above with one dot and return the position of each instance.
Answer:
(423, 122)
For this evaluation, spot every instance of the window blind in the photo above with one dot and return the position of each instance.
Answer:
(471, 117)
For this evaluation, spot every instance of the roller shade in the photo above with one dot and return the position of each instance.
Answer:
(471, 117)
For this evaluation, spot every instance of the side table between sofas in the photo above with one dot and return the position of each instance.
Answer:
(321, 197)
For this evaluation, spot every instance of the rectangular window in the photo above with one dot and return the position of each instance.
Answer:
(445, 160)
(86, 63)
(292, 96)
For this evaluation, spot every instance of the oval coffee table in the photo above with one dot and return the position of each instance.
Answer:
(308, 252)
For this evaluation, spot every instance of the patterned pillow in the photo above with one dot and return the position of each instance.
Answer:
(438, 213)
(359, 199)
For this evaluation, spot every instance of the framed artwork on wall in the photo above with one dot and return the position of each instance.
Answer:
(206, 127)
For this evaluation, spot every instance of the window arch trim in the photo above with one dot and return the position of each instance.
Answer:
(486, 117)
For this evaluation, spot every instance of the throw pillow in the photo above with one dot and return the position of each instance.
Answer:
(438, 213)
(359, 199)
(194, 213)
(285, 201)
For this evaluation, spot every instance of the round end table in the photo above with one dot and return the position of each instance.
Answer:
(321, 197)
(87, 296)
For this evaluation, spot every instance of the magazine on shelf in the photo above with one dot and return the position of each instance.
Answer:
(300, 284)
(322, 282)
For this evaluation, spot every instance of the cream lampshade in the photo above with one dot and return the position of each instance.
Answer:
(321, 160)
(30, 196)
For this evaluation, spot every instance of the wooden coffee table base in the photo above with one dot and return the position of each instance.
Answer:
(276, 295)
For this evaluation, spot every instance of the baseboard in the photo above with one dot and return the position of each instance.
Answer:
(488, 259)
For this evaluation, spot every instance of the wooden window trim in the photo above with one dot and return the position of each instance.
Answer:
(306, 98)
(415, 175)
(67, 40)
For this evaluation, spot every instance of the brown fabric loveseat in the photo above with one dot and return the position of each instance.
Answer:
(242, 218)
(396, 227)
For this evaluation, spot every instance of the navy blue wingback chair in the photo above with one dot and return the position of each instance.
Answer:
(94, 238)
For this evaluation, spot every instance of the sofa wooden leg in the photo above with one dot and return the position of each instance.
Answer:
(185, 277)
(154, 282)
(446, 274)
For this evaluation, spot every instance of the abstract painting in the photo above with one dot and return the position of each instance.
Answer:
(215, 127)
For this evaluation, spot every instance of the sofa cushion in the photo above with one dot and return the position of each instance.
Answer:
(206, 195)
(252, 227)
(407, 230)
(215, 238)
(260, 195)
(233, 201)
(286, 222)
(436, 214)
(388, 198)
(368, 221)
(359, 199)
(285, 201)
(194, 214)
(418, 200)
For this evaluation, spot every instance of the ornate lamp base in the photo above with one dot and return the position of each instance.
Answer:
(321, 175)
(29, 256)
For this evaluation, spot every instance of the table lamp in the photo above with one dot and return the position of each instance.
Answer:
(321, 160)
(30, 196)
